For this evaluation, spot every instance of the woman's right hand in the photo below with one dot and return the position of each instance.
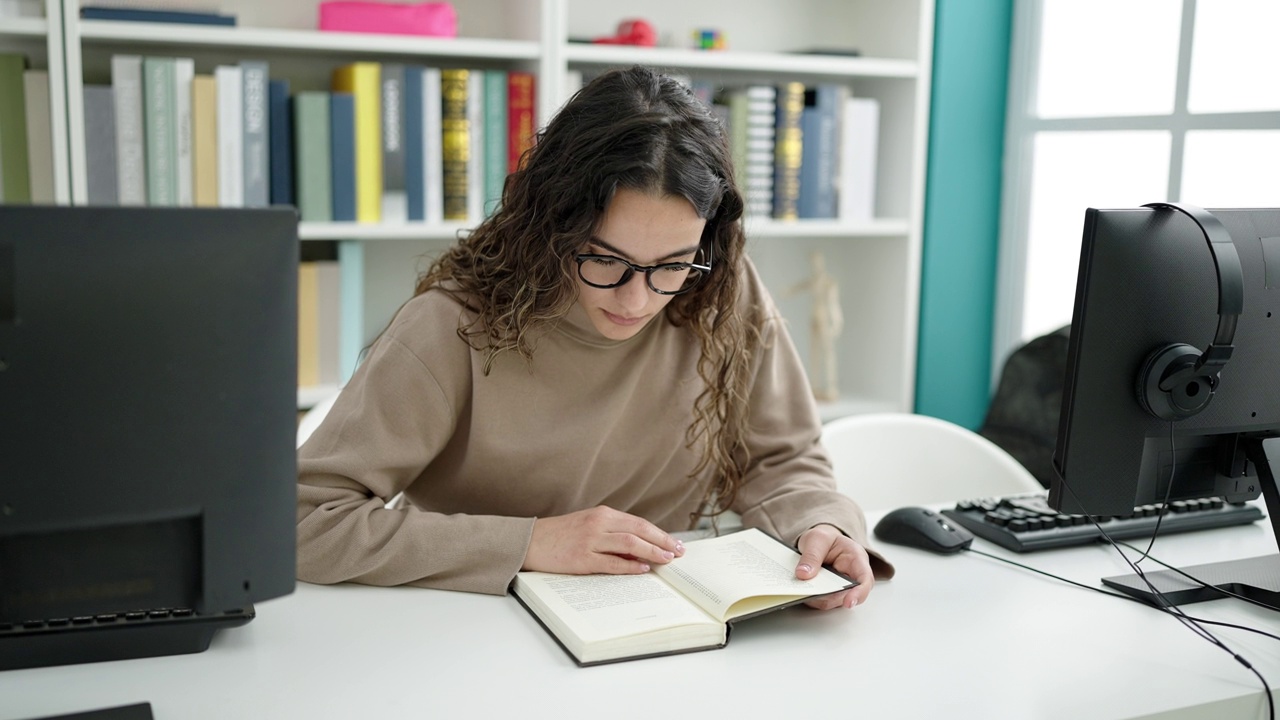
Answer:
(599, 540)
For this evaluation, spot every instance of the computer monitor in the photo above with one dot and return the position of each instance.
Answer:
(1172, 387)
(148, 404)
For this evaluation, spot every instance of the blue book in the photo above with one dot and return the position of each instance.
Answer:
(414, 149)
(342, 155)
(820, 128)
(163, 16)
(280, 144)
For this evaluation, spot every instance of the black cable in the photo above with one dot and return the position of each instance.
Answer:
(1168, 492)
(1200, 582)
(1167, 606)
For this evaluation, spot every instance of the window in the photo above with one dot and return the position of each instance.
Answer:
(1116, 103)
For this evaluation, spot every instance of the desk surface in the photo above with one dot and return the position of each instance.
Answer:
(921, 645)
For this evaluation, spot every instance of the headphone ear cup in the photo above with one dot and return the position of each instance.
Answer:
(1189, 395)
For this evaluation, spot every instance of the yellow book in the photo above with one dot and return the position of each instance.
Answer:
(204, 140)
(308, 324)
(363, 80)
(456, 143)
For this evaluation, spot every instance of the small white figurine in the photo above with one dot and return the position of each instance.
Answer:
(825, 325)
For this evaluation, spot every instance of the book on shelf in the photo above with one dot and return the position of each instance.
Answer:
(362, 80)
(788, 151)
(394, 191)
(475, 151)
(432, 146)
(21, 8)
(204, 141)
(257, 157)
(820, 152)
(184, 73)
(15, 180)
(455, 142)
(414, 152)
(312, 144)
(688, 605)
(342, 155)
(39, 135)
(521, 116)
(131, 159)
(230, 93)
(496, 137)
(280, 132)
(858, 149)
(159, 125)
(752, 127)
(100, 145)
(155, 14)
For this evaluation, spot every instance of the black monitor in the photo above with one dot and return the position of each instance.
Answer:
(148, 406)
(1172, 387)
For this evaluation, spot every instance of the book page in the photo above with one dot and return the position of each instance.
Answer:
(592, 609)
(718, 573)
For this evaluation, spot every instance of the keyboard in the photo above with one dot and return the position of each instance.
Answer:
(1026, 523)
(112, 636)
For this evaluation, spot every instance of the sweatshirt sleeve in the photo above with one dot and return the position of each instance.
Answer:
(789, 485)
(390, 421)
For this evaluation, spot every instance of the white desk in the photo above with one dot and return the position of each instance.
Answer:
(919, 648)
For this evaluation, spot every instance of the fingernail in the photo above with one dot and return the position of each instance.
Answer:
(806, 568)
(679, 547)
(644, 568)
(667, 555)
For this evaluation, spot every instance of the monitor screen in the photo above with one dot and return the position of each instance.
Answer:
(1172, 389)
(148, 404)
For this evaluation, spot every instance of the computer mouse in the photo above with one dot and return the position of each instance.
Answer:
(922, 528)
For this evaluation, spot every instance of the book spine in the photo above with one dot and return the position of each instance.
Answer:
(230, 136)
(362, 81)
(308, 327)
(496, 152)
(432, 147)
(162, 16)
(455, 142)
(328, 321)
(204, 141)
(342, 155)
(100, 145)
(788, 151)
(755, 142)
(15, 179)
(159, 119)
(312, 152)
(257, 157)
(860, 137)
(394, 193)
(415, 198)
(184, 71)
(131, 155)
(520, 116)
(475, 153)
(39, 136)
(280, 131)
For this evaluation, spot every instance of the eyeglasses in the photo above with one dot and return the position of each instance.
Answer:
(608, 271)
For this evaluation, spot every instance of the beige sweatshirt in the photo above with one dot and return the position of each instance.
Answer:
(590, 421)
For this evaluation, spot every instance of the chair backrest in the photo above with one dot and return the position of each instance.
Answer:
(890, 460)
(311, 420)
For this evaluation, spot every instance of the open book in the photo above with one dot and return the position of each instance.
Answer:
(686, 605)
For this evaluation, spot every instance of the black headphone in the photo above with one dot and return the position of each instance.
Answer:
(1177, 380)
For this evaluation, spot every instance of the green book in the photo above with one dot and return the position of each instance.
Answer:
(15, 179)
(311, 156)
(160, 129)
(496, 134)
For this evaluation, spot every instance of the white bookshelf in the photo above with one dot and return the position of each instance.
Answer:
(876, 261)
(41, 41)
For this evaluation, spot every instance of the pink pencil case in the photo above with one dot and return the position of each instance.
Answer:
(437, 19)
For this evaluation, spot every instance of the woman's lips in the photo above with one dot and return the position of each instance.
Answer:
(620, 320)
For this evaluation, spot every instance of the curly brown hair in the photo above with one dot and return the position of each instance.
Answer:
(640, 130)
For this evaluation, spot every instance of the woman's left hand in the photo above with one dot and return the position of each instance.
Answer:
(825, 545)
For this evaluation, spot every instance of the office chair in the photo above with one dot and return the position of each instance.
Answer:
(889, 460)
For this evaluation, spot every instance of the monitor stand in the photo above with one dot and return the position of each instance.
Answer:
(1256, 578)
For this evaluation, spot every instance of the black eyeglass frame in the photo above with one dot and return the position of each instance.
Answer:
(633, 268)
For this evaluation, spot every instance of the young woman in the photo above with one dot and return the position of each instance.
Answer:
(594, 367)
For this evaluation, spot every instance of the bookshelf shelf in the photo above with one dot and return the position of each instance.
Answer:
(307, 41)
(766, 228)
(370, 231)
(24, 27)
(741, 62)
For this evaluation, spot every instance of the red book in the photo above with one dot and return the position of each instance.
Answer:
(520, 114)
